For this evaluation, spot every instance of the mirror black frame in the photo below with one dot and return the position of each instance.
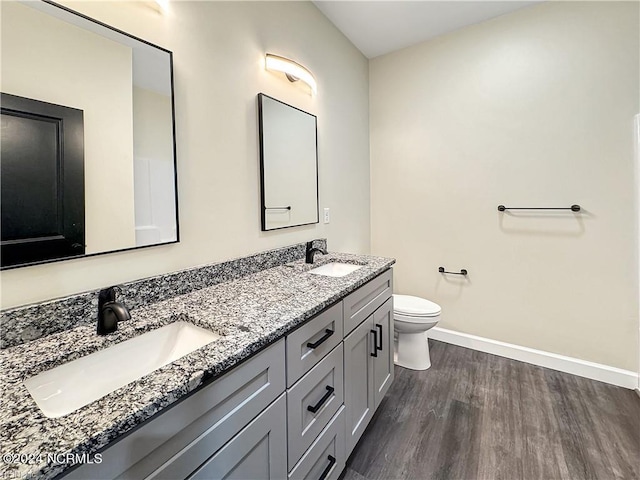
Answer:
(173, 129)
(263, 207)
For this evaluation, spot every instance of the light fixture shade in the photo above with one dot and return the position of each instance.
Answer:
(161, 5)
(294, 71)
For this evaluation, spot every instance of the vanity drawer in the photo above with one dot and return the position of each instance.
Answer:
(311, 342)
(364, 301)
(313, 401)
(183, 436)
(326, 458)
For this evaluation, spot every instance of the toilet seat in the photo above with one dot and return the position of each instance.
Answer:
(413, 309)
(398, 317)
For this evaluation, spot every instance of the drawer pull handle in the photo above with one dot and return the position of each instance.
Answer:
(375, 343)
(325, 397)
(327, 334)
(327, 469)
(380, 331)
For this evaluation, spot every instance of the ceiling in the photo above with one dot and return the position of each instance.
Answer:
(379, 27)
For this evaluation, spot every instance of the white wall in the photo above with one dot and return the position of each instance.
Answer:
(154, 192)
(534, 108)
(219, 70)
(93, 74)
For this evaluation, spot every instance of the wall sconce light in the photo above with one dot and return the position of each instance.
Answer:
(161, 5)
(294, 71)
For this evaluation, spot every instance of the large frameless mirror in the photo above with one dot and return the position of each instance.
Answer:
(288, 165)
(87, 150)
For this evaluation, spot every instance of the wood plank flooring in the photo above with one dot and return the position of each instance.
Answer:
(478, 416)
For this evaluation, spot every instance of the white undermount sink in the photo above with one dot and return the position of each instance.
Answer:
(66, 388)
(335, 269)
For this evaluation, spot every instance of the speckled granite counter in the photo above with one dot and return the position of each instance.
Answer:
(250, 313)
(30, 322)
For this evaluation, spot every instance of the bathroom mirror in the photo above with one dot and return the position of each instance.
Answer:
(87, 150)
(288, 165)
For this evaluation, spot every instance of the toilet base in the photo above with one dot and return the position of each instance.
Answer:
(412, 351)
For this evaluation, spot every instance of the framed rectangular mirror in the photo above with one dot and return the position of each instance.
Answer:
(87, 149)
(288, 165)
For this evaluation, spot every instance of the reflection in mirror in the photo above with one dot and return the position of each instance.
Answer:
(288, 165)
(83, 102)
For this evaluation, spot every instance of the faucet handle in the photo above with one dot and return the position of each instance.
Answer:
(108, 294)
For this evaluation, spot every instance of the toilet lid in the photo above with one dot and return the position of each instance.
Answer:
(415, 306)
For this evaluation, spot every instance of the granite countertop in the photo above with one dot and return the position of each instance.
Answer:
(249, 313)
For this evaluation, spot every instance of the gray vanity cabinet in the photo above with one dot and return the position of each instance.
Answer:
(293, 411)
(356, 367)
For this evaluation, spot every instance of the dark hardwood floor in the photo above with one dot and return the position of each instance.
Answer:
(478, 416)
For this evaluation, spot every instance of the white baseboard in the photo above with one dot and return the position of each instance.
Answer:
(582, 368)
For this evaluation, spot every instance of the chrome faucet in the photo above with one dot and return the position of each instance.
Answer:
(311, 251)
(110, 312)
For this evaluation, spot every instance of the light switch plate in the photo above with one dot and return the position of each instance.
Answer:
(327, 217)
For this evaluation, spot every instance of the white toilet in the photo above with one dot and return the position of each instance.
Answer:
(413, 316)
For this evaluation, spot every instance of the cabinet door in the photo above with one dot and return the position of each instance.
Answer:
(359, 396)
(383, 363)
(258, 452)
